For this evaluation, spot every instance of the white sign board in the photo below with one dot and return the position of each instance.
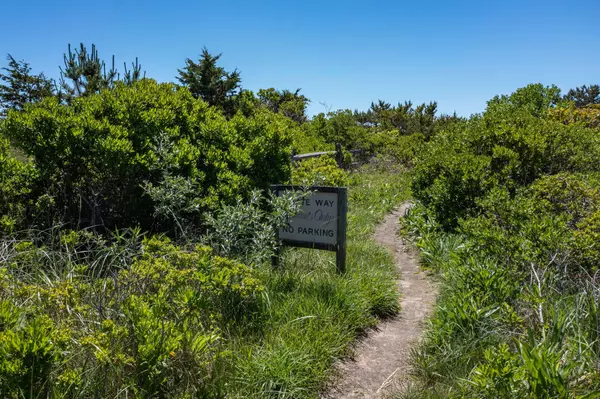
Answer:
(317, 222)
(320, 225)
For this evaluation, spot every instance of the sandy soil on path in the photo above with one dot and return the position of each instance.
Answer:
(380, 365)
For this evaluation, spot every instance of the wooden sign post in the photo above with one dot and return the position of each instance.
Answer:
(321, 224)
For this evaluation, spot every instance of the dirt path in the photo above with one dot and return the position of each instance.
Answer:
(381, 362)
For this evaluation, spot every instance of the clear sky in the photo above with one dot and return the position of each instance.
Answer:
(344, 54)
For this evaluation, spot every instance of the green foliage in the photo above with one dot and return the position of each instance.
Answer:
(403, 149)
(94, 156)
(152, 329)
(405, 118)
(246, 231)
(533, 99)
(314, 313)
(550, 222)
(339, 127)
(567, 195)
(509, 218)
(319, 171)
(584, 95)
(306, 140)
(15, 188)
(510, 146)
(85, 74)
(495, 335)
(28, 352)
(587, 241)
(292, 105)
(539, 367)
(588, 116)
(83, 315)
(20, 87)
(210, 82)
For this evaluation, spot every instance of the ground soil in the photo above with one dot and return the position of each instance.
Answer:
(381, 361)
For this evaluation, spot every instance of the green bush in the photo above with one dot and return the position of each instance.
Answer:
(321, 171)
(401, 148)
(246, 231)
(510, 145)
(588, 116)
(16, 180)
(587, 242)
(565, 194)
(93, 156)
(509, 217)
(516, 317)
(153, 329)
(550, 222)
(339, 127)
(518, 231)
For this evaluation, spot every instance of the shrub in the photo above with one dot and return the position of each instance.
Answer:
(519, 232)
(150, 330)
(339, 127)
(401, 148)
(552, 222)
(321, 171)
(15, 189)
(511, 145)
(93, 156)
(246, 231)
(588, 116)
(565, 194)
(587, 242)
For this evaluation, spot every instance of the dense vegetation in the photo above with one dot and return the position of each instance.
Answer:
(508, 217)
(136, 236)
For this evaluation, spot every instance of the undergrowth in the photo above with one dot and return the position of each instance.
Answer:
(139, 315)
(312, 313)
(508, 216)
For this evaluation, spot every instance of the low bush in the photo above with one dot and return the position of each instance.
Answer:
(403, 149)
(152, 329)
(588, 116)
(246, 231)
(84, 314)
(510, 145)
(321, 171)
(507, 324)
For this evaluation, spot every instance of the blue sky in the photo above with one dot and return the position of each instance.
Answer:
(344, 54)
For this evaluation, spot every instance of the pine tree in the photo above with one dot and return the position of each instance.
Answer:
(210, 82)
(85, 73)
(20, 87)
(583, 96)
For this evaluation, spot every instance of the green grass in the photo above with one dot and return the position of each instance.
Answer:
(314, 314)
(122, 316)
(485, 339)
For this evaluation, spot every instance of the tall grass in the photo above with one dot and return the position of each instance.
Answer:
(500, 332)
(133, 315)
(314, 314)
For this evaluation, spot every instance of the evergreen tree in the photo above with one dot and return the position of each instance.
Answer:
(584, 95)
(19, 86)
(210, 82)
(85, 73)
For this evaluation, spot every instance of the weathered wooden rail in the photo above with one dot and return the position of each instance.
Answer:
(338, 154)
(300, 157)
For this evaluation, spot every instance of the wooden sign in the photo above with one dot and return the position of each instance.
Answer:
(321, 224)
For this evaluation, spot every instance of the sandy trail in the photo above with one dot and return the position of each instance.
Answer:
(381, 361)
